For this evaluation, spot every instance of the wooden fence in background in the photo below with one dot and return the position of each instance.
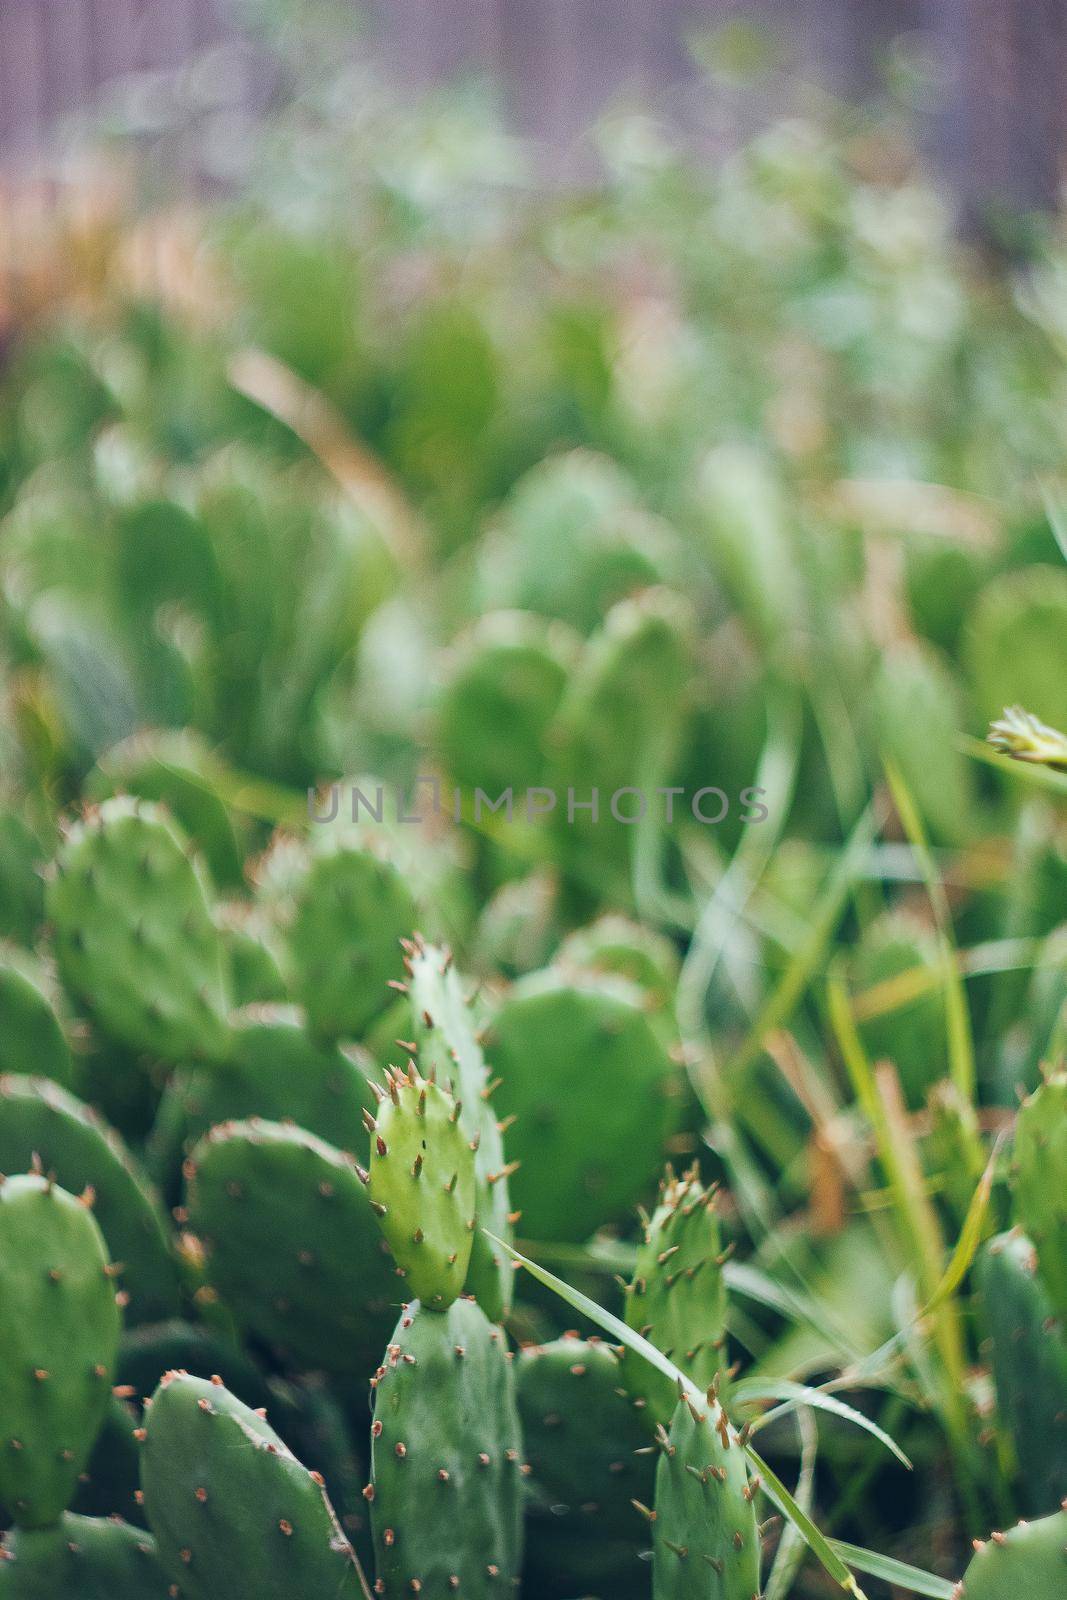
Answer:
(999, 129)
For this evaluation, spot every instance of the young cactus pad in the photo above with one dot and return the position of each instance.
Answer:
(705, 1539)
(83, 1558)
(677, 1298)
(292, 1244)
(421, 1184)
(1030, 1561)
(234, 1512)
(448, 1041)
(446, 1466)
(1041, 1183)
(59, 1333)
(134, 934)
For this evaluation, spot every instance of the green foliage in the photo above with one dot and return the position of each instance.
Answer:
(704, 1537)
(82, 1558)
(1029, 1559)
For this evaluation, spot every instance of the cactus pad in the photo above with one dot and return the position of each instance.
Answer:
(32, 1036)
(59, 1333)
(446, 1467)
(233, 1511)
(1030, 1560)
(293, 1246)
(37, 1118)
(677, 1298)
(1041, 1183)
(705, 1540)
(352, 909)
(421, 1184)
(83, 1558)
(134, 934)
(593, 1093)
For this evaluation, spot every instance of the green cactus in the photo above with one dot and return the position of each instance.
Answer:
(633, 674)
(39, 1119)
(503, 691)
(616, 944)
(1041, 1183)
(276, 1071)
(326, 1287)
(421, 1184)
(1029, 1365)
(594, 1096)
(33, 1034)
(22, 862)
(233, 1511)
(677, 1299)
(134, 935)
(588, 1458)
(176, 769)
(517, 928)
(571, 540)
(352, 908)
(1029, 1560)
(83, 1558)
(705, 1542)
(446, 1461)
(447, 1035)
(59, 1333)
(254, 953)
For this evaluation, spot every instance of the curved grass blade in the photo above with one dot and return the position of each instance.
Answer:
(794, 1395)
(895, 1572)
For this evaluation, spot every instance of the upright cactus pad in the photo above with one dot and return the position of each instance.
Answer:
(352, 909)
(588, 1457)
(1029, 1560)
(1041, 1183)
(33, 1038)
(293, 1245)
(83, 1558)
(39, 1119)
(1029, 1354)
(677, 1298)
(615, 944)
(134, 934)
(449, 1043)
(705, 1539)
(593, 1094)
(59, 1334)
(421, 1184)
(446, 1459)
(233, 1511)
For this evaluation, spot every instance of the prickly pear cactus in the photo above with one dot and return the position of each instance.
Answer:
(59, 1333)
(33, 1037)
(448, 1041)
(615, 944)
(1041, 1183)
(352, 910)
(292, 1244)
(39, 1119)
(587, 1451)
(421, 1185)
(275, 1070)
(134, 935)
(83, 1558)
(1029, 1354)
(504, 688)
(705, 1542)
(1029, 1560)
(677, 1298)
(446, 1459)
(233, 1511)
(593, 1094)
